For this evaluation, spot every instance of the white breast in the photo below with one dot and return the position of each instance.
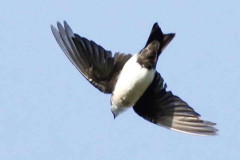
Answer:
(132, 82)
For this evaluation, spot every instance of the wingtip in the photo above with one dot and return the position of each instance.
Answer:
(65, 23)
(57, 28)
(54, 30)
(59, 25)
(209, 131)
(52, 27)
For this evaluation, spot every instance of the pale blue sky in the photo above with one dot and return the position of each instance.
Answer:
(48, 111)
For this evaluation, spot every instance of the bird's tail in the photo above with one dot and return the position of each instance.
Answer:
(166, 40)
(157, 34)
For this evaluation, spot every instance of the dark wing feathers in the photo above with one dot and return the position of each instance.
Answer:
(163, 108)
(95, 63)
(101, 69)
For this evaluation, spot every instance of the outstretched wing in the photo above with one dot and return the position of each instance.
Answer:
(95, 63)
(165, 109)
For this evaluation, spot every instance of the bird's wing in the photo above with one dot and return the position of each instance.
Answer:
(165, 109)
(95, 63)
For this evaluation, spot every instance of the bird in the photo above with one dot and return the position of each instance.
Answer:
(132, 80)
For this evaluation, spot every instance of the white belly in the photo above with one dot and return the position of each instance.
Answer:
(133, 81)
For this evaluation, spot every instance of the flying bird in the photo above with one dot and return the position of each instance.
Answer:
(132, 80)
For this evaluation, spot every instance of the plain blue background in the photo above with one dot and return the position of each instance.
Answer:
(48, 111)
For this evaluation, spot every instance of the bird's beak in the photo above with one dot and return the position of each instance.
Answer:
(114, 114)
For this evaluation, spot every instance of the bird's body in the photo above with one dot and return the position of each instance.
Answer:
(132, 83)
(132, 80)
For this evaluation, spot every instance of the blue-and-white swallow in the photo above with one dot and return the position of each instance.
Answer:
(132, 80)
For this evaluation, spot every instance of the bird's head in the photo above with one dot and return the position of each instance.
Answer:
(116, 110)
